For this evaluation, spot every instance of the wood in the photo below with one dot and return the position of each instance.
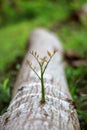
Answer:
(25, 111)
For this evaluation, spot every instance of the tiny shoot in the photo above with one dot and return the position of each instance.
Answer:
(43, 64)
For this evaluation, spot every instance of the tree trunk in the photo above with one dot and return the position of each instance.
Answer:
(25, 111)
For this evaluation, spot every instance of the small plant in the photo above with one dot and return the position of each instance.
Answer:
(43, 63)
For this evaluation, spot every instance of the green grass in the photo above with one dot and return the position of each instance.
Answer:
(78, 87)
(13, 40)
(74, 38)
(13, 36)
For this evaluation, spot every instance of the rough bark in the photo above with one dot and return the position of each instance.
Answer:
(25, 111)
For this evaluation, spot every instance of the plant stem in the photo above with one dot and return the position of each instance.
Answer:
(42, 85)
(48, 63)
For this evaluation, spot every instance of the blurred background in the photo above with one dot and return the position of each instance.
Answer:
(68, 20)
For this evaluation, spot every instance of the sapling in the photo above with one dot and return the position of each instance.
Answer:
(43, 63)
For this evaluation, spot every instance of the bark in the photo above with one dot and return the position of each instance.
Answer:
(25, 111)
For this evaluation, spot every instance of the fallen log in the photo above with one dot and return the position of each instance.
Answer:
(25, 111)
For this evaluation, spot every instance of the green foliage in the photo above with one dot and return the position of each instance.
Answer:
(4, 95)
(77, 79)
(73, 37)
(29, 10)
(5, 85)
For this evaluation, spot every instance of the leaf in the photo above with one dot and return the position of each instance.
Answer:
(55, 50)
(44, 59)
(49, 54)
(28, 62)
(37, 56)
(5, 84)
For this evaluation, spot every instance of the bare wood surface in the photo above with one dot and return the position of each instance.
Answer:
(25, 111)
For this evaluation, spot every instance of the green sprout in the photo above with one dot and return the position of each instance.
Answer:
(43, 63)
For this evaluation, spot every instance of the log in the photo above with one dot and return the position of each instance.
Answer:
(25, 111)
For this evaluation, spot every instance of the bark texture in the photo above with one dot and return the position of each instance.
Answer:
(25, 111)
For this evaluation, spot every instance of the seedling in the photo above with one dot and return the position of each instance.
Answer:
(43, 63)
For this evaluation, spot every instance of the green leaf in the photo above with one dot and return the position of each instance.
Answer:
(5, 84)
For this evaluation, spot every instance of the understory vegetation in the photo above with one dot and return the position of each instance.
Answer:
(66, 19)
